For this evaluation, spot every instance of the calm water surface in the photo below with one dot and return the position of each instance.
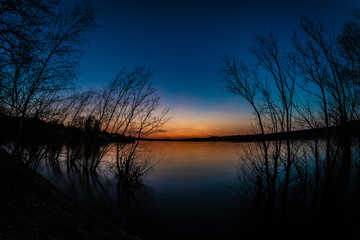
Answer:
(186, 196)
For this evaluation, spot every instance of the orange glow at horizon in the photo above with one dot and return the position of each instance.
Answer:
(185, 123)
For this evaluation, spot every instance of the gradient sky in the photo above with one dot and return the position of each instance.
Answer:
(183, 43)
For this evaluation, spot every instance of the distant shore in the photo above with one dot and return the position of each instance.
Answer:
(32, 208)
(296, 134)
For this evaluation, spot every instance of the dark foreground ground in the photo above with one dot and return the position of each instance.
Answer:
(31, 208)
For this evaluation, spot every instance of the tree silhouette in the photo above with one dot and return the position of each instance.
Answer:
(273, 105)
(128, 106)
(40, 48)
(312, 85)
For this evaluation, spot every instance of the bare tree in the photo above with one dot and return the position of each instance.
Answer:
(40, 46)
(241, 79)
(269, 55)
(127, 107)
(329, 63)
(273, 102)
(40, 50)
(350, 48)
(133, 162)
(313, 86)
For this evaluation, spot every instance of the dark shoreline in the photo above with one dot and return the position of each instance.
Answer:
(304, 134)
(44, 132)
(32, 208)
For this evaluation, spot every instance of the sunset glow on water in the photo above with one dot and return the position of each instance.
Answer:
(187, 191)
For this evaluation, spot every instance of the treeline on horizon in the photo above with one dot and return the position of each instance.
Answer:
(44, 132)
(305, 134)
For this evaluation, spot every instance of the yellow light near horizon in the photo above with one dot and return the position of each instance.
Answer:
(193, 124)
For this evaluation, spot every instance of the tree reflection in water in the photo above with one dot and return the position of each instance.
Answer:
(322, 199)
(116, 195)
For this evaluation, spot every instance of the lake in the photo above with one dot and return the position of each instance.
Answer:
(220, 190)
(186, 196)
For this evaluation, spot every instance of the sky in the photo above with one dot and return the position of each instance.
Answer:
(183, 42)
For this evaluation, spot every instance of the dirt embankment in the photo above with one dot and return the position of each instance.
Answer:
(32, 208)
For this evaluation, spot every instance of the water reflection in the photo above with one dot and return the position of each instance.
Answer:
(183, 197)
(189, 192)
(320, 196)
(132, 162)
(104, 193)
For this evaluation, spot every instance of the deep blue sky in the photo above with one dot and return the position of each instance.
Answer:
(183, 43)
